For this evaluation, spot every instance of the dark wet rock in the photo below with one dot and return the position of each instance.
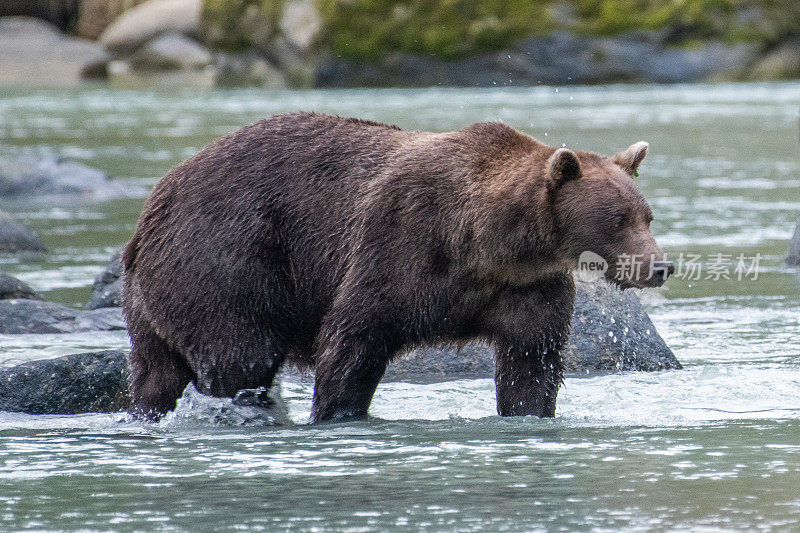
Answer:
(793, 259)
(60, 13)
(104, 319)
(441, 364)
(35, 53)
(107, 287)
(612, 331)
(97, 382)
(30, 175)
(21, 316)
(17, 237)
(12, 288)
(80, 383)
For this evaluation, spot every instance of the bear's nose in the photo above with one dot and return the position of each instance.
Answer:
(663, 269)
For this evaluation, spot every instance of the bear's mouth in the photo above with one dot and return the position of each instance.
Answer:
(634, 283)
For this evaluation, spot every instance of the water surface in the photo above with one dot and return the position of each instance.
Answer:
(716, 445)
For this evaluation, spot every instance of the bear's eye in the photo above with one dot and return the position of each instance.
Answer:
(621, 221)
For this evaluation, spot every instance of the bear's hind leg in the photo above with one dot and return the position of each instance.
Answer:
(226, 367)
(159, 374)
(347, 375)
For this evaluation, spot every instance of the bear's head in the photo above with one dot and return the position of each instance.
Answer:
(599, 211)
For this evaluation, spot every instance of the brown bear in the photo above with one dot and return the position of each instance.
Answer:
(339, 243)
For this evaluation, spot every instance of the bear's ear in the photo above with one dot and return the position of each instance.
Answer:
(630, 159)
(563, 166)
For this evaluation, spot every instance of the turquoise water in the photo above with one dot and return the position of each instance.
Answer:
(716, 445)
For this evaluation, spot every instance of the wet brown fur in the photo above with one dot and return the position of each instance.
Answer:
(340, 243)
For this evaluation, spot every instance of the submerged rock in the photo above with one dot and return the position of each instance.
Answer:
(793, 259)
(612, 331)
(97, 382)
(16, 237)
(30, 175)
(107, 287)
(20, 316)
(80, 383)
(12, 288)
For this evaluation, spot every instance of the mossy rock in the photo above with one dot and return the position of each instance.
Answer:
(457, 29)
(236, 25)
(447, 29)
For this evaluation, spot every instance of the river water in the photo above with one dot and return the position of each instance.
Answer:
(714, 446)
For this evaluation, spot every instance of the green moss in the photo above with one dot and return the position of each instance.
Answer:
(443, 28)
(235, 25)
(453, 29)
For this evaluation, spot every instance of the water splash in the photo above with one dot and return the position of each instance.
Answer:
(250, 407)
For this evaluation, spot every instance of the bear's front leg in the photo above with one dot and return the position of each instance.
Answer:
(529, 328)
(527, 380)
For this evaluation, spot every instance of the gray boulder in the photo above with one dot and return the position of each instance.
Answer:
(147, 21)
(171, 52)
(20, 316)
(80, 383)
(611, 331)
(30, 175)
(12, 288)
(301, 24)
(16, 237)
(793, 259)
(34, 52)
(97, 382)
(107, 287)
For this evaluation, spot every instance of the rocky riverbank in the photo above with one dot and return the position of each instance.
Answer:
(307, 43)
